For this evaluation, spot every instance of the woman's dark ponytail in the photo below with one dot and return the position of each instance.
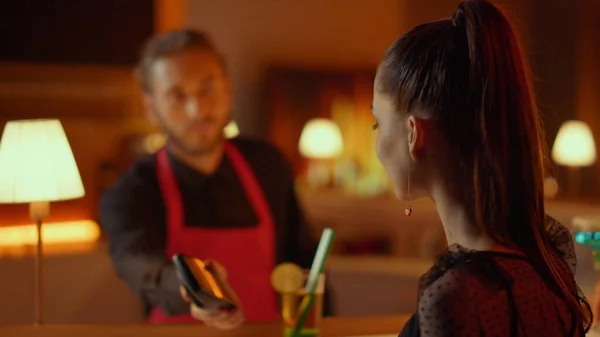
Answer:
(468, 74)
(508, 183)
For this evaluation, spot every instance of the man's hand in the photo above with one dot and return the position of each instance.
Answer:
(224, 320)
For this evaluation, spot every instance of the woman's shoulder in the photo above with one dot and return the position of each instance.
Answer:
(459, 271)
(450, 290)
(466, 287)
(463, 260)
(447, 292)
(455, 262)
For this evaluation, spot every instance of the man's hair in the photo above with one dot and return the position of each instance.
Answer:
(170, 43)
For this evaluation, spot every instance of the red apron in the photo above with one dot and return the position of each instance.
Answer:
(247, 253)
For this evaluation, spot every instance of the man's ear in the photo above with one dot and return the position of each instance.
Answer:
(416, 135)
(149, 110)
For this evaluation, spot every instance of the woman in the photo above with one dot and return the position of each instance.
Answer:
(458, 123)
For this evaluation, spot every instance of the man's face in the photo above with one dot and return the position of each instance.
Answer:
(190, 98)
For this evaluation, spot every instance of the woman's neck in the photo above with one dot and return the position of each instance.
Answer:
(458, 225)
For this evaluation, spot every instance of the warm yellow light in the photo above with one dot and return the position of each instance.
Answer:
(574, 145)
(36, 163)
(231, 130)
(152, 142)
(82, 231)
(321, 138)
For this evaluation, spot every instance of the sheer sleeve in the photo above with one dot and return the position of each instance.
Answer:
(564, 245)
(448, 308)
(562, 241)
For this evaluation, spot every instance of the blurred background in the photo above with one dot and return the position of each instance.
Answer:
(302, 72)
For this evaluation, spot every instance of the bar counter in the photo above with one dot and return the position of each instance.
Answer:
(331, 327)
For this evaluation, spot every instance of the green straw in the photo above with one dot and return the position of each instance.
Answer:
(313, 278)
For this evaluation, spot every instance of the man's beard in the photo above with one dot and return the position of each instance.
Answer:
(173, 140)
(180, 144)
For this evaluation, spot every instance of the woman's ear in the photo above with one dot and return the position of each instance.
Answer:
(416, 135)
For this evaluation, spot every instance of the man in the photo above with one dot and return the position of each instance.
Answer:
(232, 202)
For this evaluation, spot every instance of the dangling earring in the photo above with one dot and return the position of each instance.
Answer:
(408, 210)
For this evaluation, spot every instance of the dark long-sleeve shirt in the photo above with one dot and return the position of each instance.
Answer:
(133, 216)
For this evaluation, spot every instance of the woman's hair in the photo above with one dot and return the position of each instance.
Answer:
(468, 74)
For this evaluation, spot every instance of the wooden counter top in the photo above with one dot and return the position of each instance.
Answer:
(331, 327)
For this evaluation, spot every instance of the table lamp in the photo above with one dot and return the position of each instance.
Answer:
(574, 148)
(37, 167)
(320, 141)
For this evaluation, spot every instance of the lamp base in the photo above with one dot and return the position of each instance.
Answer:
(320, 175)
(38, 211)
(574, 182)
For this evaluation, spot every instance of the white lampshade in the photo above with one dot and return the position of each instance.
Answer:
(36, 163)
(574, 145)
(321, 138)
(231, 130)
